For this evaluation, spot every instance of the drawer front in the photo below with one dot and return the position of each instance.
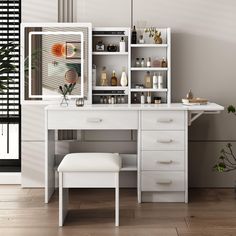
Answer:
(162, 181)
(163, 120)
(162, 160)
(92, 119)
(162, 140)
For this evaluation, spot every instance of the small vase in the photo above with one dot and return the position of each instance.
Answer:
(123, 80)
(64, 101)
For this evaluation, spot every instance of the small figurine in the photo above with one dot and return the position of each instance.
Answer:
(155, 34)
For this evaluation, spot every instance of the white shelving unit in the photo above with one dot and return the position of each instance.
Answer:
(112, 61)
(117, 60)
(155, 52)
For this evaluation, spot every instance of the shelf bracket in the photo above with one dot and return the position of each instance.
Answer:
(193, 115)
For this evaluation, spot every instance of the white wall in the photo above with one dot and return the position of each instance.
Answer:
(39, 11)
(203, 58)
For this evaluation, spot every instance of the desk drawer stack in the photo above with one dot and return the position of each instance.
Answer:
(163, 158)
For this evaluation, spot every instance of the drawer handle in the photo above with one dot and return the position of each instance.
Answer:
(94, 120)
(165, 141)
(165, 162)
(164, 182)
(163, 120)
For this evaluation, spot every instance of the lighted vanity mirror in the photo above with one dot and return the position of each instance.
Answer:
(55, 55)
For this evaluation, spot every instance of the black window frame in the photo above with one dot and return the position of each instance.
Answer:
(10, 19)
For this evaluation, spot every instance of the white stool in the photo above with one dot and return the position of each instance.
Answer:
(88, 170)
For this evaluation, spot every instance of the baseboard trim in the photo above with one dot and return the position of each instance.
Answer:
(10, 178)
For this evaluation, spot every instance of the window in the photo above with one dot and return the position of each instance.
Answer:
(10, 118)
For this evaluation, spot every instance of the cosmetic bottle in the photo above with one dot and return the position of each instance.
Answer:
(122, 45)
(134, 36)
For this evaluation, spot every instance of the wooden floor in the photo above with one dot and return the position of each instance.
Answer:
(23, 213)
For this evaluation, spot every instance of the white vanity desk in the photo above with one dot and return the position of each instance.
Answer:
(162, 142)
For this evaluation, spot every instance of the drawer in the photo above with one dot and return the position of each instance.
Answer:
(162, 160)
(71, 119)
(163, 120)
(162, 140)
(162, 181)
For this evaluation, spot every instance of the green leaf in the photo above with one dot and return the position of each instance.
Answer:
(231, 109)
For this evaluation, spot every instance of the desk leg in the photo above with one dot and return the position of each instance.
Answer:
(49, 164)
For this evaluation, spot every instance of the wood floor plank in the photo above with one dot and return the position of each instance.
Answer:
(209, 212)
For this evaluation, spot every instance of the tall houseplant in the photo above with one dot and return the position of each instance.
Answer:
(6, 64)
(227, 159)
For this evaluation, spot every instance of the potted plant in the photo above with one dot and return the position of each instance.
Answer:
(64, 91)
(6, 64)
(227, 160)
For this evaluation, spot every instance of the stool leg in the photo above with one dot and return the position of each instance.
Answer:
(63, 200)
(117, 199)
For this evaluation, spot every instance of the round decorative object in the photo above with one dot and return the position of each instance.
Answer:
(70, 50)
(58, 49)
(71, 76)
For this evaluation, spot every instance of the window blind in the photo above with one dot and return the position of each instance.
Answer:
(10, 34)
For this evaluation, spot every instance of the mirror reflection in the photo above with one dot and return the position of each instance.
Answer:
(55, 56)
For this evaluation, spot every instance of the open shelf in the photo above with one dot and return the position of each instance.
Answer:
(149, 45)
(149, 69)
(103, 88)
(110, 53)
(148, 90)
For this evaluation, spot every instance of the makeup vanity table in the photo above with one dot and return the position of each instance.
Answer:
(57, 53)
(162, 142)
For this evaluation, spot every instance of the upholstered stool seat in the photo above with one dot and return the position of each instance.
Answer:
(88, 170)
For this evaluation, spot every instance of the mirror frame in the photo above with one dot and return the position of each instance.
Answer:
(51, 99)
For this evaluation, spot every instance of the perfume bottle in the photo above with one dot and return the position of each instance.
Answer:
(103, 78)
(155, 81)
(149, 98)
(123, 79)
(134, 36)
(147, 80)
(142, 62)
(149, 62)
(113, 79)
(163, 62)
(160, 81)
(142, 98)
(137, 62)
(122, 45)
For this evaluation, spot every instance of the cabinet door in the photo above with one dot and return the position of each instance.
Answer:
(32, 172)
(33, 123)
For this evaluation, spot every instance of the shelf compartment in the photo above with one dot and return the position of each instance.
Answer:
(149, 45)
(110, 53)
(103, 88)
(110, 94)
(148, 90)
(149, 69)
